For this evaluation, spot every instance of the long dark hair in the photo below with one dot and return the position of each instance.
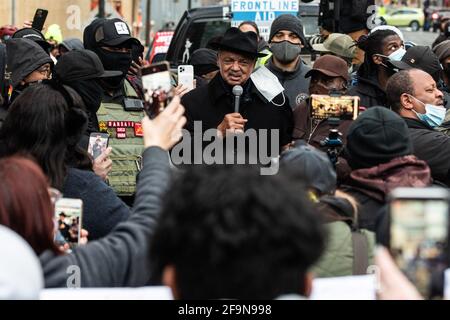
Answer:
(371, 45)
(47, 121)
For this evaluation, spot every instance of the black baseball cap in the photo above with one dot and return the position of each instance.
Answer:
(81, 65)
(420, 57)
(34, 35)
(114, 32)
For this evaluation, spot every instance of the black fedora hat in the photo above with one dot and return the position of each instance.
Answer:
(245, 43)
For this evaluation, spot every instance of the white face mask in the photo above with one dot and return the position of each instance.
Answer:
(434, 115)
(267, 84)
(397, 55)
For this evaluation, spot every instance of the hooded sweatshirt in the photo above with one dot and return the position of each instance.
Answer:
(21, 276)
(24, 57)
(372, 186)
(370, 93)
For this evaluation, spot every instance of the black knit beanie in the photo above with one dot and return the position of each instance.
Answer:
(377, 137)
(288, 22)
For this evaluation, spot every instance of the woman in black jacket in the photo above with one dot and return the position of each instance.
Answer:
(121, 258)
(46, 121)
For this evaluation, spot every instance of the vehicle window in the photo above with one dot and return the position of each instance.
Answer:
(201, 32)
(409, 12)
(310, 25)
(310, 19)
(395, 13)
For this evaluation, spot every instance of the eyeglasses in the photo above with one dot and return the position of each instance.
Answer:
(45, 70)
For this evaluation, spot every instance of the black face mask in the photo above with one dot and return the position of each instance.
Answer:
(91, 92)
(116, 61)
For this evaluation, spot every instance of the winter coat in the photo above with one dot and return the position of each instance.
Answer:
(369, 92)
(433, 147)
(371, 187)
(295, 84)
(341, 257)
(102, 209)
(120, 259)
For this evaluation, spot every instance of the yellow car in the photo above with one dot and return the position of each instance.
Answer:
(404, 17)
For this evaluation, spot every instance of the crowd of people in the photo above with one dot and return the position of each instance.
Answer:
(215, 231)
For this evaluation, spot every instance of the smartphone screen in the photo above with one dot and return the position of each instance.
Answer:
(98, 143)
(68, 217)
(419, 239)
(158, 87)
(39, 19)
(186, 76)
(325, 107)
(156, 77)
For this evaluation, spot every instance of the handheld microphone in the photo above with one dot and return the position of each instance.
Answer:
(237, 92)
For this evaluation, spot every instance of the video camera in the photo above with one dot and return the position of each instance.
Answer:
(344, 16)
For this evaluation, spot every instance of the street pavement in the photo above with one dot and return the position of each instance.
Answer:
(420, 37)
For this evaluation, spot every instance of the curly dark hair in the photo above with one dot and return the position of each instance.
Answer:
(231, 233)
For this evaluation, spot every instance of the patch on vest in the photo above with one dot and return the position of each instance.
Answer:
(103, 126)
(121, 133)
(121, 129)
(138, 130)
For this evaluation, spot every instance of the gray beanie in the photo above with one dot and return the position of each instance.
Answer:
(288, 22)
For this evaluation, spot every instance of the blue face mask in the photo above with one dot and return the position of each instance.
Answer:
(434, 115)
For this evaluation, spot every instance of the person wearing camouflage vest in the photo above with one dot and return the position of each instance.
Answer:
(121, 110)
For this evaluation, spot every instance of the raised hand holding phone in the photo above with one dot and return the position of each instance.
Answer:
(102, 166)
(39, 19)
(165, 130)
(186, 77)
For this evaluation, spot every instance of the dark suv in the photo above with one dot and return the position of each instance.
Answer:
(198, 26)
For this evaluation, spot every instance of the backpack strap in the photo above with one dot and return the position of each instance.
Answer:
(360, 253)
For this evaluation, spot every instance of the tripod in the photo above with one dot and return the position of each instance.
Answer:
(334, 142)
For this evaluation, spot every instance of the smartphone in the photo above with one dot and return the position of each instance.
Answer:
(39, 19)
(157, 77)
(186, 76)
(157, 86)
(342, 107)
(69, 219)
(419, 228)
(98, 143)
